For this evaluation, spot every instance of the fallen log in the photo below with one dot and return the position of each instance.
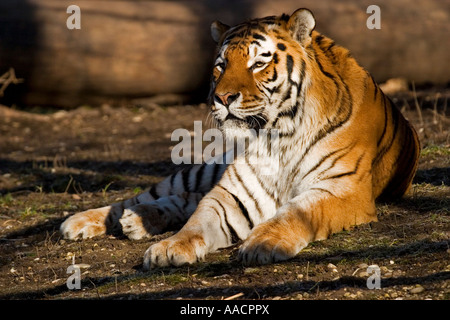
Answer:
(131, 49)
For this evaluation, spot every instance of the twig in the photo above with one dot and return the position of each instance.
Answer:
(68, 185)
(237, 295)
(7, 78)
(416, 102)
(307, 271)
(435, 120)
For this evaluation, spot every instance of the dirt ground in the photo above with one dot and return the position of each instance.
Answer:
(55, 163)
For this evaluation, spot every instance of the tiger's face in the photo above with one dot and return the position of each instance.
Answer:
(258, 72)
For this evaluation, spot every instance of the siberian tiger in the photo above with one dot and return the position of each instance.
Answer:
(342, 144)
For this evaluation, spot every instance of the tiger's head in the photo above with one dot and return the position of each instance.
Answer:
(259, 73)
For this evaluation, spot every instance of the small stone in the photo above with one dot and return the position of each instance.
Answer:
(331, 266)
(250, 270)
(143, 284)
(387, 275)
(276, 298)
(300, 276)
(363, 265)
(417, 289)
(385, 269)
(363, 274)
(76, 197)
(391, 262)
(397, 273)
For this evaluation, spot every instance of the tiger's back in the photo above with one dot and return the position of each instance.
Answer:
(390, 139)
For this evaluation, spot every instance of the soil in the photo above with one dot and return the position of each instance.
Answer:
(54, 163)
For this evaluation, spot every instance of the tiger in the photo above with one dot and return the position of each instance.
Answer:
(342, 145)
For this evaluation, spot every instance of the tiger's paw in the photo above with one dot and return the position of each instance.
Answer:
(142, 221)
(176, 250)
(86, 224)
(266, 245)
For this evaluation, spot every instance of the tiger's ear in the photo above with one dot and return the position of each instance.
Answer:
(301, 24)
(217, 30)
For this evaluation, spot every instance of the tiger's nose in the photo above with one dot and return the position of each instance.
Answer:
(227, 98)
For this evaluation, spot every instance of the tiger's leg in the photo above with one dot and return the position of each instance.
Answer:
(219, 221)
(147, 219)
(95, 222)
(311, 216)
(99, 221)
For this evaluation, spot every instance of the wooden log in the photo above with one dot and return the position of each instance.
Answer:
(128, 49)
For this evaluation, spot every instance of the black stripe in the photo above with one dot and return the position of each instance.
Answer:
(221, 226)
(185, 176)
(290, 113)
(263, 185)
(234, 236)
(275, 58)
(266, 54)
(348, 173)
(336, 160)
(258, 36)
(325, 73)
(324, 158)
(395, 118)
(376, 89)
(289, 65)
(153, 193)
(385, 121)
(198, 177)
(319, 39)
(302, 76)
(275, 75)
(241, 207)
(281, 46)
(172, 179)
(275, 89)
(238, 177)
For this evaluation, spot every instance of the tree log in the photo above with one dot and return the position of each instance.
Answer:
(128, 49)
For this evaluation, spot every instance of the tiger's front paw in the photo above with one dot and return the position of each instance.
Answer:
(177, 250)
(266, 244)
(86, 224)
(142, 221)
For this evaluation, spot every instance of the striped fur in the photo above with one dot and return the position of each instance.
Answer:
(342, 145)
